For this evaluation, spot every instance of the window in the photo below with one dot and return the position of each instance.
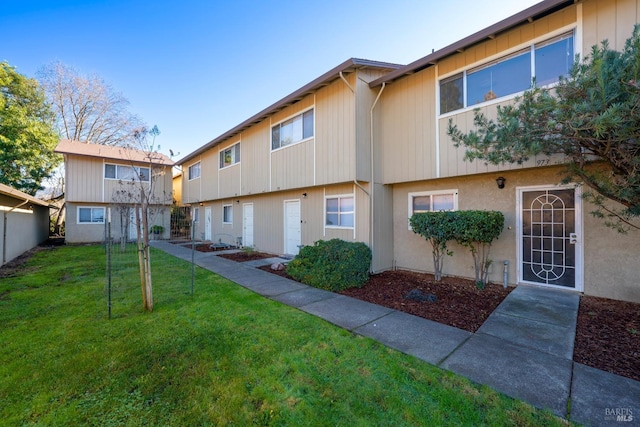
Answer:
(230, 156)
(90, 215)
(126, 173)
(194, 171)
(196, 214)
(293, 130)
(339, 211)
(508, 75)
(432, 201)
(227, 214)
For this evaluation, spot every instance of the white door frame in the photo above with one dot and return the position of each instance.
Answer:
(247, 232)
(579, 244)
(286, 228)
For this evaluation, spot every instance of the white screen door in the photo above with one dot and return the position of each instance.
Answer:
(550, 236)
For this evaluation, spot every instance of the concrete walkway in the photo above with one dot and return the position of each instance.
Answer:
(524, 349)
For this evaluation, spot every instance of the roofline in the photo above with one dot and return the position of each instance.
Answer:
(12, 192)
(293, 97)
(530, 14)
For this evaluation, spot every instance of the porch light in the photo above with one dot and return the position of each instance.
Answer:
(500, 181)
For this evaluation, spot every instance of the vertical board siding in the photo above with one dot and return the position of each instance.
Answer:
(407, 124)
(84, 179)
(292, 166)
(230, 181)
(611, 20)
(254, 159)
(335, 132)
(209, 176)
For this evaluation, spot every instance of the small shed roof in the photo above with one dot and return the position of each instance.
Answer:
(79, 148)
(17, 194)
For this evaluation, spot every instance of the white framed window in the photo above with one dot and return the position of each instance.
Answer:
(227, 214)
(293, 130)
(542, 63)
(90, 215)
(230, 156)
(194, 171)
(126, 173)
(196, 214)
(340, 211)
(432, 201)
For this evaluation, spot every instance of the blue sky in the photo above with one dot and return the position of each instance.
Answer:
(198, 68)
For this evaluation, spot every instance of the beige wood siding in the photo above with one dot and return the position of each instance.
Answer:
(611, 20)
(292, 166)
(254, 159)
(335, 132)
(86, 182)
(365, 97)
(191, 187)
(84, 179)
(209, 169)
(406, 112)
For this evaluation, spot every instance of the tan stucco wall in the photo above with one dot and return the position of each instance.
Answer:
(611, 267)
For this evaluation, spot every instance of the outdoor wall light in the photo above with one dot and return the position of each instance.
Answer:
(201, 204)
(500, 181)
(304, 194)
(238, 201)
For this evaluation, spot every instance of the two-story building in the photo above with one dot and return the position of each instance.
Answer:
(356, 152)
(105, 183)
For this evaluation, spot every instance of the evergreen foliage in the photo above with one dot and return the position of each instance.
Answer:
(333, 265)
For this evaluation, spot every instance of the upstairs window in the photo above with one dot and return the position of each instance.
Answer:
(230, 156)
(543, 63)
(194, 171)
(126, 173)
(293, 130)
(339, 211)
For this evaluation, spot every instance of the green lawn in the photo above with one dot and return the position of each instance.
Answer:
(225, 356)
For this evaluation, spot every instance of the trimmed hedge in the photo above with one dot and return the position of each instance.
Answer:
(333, 265)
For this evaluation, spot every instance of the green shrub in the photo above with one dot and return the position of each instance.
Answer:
(476, 230)
(438, 228)
(333, 265)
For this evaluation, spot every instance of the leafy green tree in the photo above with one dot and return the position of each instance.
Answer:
(592, 118)
(27, 132)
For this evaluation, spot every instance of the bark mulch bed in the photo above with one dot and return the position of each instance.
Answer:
(607, 332)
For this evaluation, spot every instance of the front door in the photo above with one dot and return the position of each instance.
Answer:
(550, 237)
(247, 224)
(207, 224)
(292, 229)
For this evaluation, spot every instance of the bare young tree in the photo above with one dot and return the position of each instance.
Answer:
(140, 197)
(87, 108)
